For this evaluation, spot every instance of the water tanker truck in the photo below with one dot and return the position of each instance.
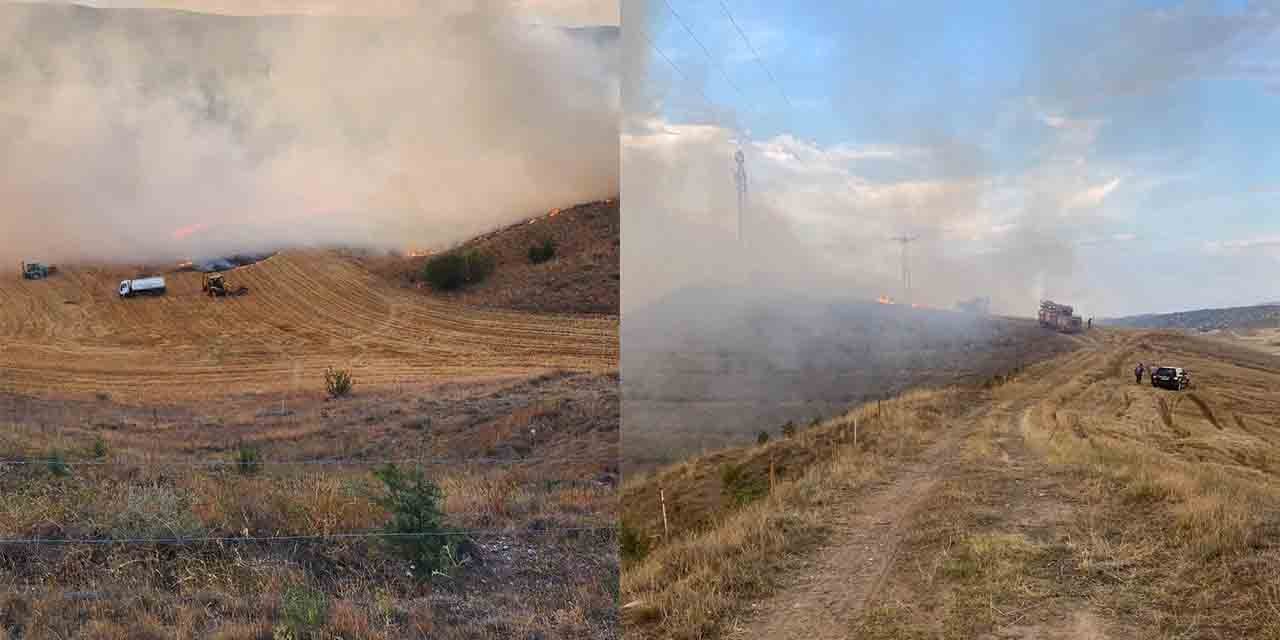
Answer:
(142, 287)
(1059, 317)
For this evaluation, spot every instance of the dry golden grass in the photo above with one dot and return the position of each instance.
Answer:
(721, 555)
(71, 334)
(1093, 507)
(530, 579)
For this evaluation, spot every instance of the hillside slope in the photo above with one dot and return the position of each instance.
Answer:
(710, 367)
(583, 278)
(1252, 317)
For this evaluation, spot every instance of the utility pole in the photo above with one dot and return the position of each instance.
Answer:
(740, 177)
(905, 241)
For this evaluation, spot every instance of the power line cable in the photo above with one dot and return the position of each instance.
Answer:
(675, 68)
(705, 51)
(756, 54)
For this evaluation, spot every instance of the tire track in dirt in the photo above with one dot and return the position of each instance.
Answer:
(824, 600)
(835, 584)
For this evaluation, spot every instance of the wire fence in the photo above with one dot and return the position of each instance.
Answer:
(190, 541)
(335, 462)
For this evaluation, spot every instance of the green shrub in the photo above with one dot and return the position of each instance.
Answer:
(57, 466)
(762, 437)
(303, 610)
(337, 382)
(248, 460)
(539, 254)
(789, 429)
(457, 269)
(631, 544)
(99, 448)
(414, 502)
(740, 487)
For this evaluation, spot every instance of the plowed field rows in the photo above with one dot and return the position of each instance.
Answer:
(71, 334)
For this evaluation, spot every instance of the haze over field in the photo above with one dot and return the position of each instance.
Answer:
(135, 135)
(1113, 156)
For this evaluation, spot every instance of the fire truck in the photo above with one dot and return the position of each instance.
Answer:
(1059, 317)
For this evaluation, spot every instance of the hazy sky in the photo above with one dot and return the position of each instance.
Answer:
(1120, 156)
(563, 12)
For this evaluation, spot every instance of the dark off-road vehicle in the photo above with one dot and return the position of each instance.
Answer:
(1175, 378)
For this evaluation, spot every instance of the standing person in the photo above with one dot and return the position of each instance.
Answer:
(1137, 374)
(1090, 322)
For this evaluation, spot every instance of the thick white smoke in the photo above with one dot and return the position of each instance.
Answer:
(136, 135)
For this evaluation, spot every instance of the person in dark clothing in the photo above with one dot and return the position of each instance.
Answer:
(1137, 374)
(1090, 323)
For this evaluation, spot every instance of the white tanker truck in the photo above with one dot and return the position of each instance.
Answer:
(142, 287)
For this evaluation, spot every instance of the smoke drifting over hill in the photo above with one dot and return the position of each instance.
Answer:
(1029, 179)
(134, 135)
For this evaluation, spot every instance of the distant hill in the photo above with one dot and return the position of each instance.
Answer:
(1254, 317)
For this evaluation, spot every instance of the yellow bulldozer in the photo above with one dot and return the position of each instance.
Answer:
(216, 285)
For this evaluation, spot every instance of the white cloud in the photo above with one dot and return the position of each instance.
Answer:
(1093, 196)
(1269, 244)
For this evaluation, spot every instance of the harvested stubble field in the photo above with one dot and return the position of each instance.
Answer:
(1064, 501)
(72, 334)
(180, 417)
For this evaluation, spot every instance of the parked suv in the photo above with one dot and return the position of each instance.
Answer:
(1170, 378)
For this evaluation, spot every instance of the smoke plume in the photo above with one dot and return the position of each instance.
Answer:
(141, 134)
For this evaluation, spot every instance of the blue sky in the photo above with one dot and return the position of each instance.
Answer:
(1139, 136)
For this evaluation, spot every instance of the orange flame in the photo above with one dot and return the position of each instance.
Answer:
(184, 232)
(884, 300)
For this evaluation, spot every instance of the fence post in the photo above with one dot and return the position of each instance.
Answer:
(855, 433)
(666, 529)
(770, 475)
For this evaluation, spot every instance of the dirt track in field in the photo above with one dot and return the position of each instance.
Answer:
(72, 335)
(1227, 421)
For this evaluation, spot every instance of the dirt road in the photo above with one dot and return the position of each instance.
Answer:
(998, 476)
(71, 334)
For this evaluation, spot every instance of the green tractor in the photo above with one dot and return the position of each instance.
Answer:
(37, 271)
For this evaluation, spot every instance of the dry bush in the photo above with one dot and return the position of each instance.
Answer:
(348, 619)
(152, 511)
(338, 382)
(489, 497)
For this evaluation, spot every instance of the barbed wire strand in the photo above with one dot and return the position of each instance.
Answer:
(354, 462)
(470, 533)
